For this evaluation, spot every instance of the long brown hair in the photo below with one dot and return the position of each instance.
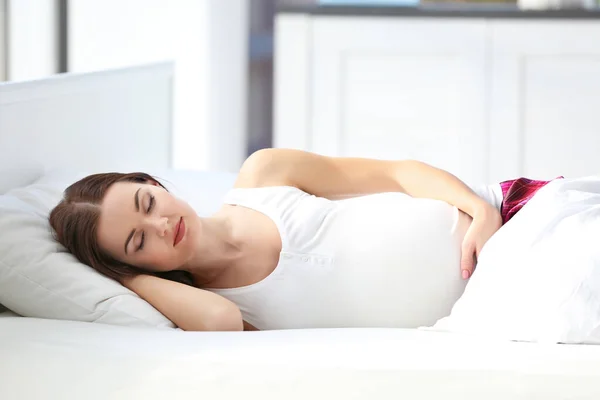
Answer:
(75, 225)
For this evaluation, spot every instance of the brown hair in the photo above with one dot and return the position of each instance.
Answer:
(75, 224)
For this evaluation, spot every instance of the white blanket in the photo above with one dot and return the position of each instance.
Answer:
(538, 277)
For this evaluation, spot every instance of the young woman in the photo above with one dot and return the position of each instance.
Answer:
(301, 241)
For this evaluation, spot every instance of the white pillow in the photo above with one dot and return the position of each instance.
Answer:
(38, 278)
(15, 177)
(538, 277)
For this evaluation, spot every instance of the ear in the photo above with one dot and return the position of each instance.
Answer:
(158, 185)
(151, 182)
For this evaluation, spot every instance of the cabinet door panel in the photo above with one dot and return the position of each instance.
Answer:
(545, 99)
(401, 88)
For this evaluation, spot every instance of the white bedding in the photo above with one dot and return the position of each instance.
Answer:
(49, 359)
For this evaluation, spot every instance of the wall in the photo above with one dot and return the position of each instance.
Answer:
(31, 39)
(227, 77)
(208, 42)
(260, 79)
(2, 40)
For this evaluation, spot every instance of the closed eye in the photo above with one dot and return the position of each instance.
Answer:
(141, 246)
(136, 202)
(150, 204)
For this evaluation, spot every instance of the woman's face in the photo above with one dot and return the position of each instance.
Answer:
(139, 224)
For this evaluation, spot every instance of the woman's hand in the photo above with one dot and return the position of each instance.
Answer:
(486, 221)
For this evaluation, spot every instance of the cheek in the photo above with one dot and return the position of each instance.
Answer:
(184, 208)
(159, 257)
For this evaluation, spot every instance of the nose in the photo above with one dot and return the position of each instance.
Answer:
(159, 225)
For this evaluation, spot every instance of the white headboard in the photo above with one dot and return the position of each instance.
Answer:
(116, 120)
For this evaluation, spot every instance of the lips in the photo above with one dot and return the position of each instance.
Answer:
(179, 231)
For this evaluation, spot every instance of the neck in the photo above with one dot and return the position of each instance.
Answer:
(216, 251)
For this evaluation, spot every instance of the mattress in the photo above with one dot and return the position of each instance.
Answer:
(50, 359)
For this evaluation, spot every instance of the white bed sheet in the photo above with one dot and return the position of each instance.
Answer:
(47, 359)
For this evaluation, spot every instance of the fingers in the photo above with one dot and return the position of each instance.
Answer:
(467, 261)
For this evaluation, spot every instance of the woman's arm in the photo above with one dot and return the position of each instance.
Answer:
(339, 177)
(189, 308)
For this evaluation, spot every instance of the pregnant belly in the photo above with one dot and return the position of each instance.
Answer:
(398, 261)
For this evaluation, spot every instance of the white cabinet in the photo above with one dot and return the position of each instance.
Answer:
(544, 98)
(484, 99)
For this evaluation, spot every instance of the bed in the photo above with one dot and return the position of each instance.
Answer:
(44, 358)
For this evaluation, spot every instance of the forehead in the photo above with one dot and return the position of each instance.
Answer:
(117, 210)
(120, 196)
(117, 215)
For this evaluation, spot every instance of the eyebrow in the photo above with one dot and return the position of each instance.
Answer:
(136, 199)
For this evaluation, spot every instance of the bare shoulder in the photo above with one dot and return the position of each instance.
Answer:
(265, 167)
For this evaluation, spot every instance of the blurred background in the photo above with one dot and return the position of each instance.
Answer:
(488, 90)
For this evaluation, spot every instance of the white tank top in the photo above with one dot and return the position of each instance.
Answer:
(381, 260)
